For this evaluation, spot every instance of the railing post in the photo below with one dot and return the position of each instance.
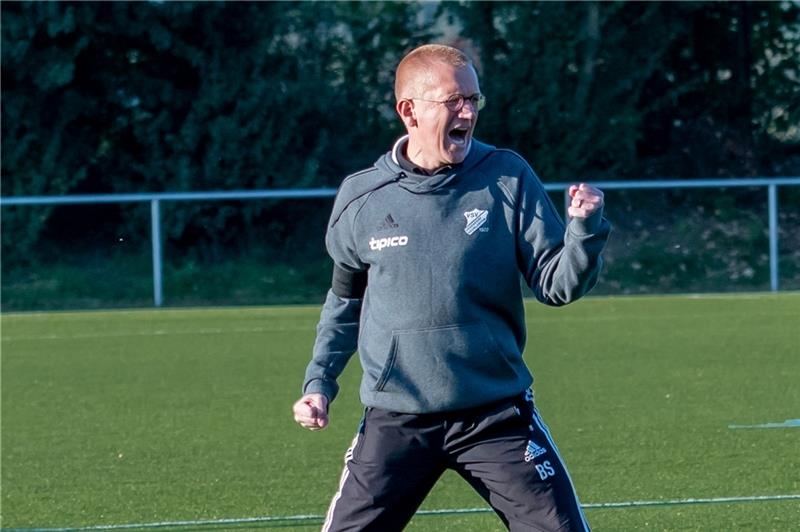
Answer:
(772, 194)
(155, 226)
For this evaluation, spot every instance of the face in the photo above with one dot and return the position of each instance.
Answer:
(438, 136)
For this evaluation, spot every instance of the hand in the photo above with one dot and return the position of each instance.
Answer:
(311, 411)
(586, 200)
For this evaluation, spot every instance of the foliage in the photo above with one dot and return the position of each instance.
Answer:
(176, 96)
(629, 90)
(123, 96)
(97, 283)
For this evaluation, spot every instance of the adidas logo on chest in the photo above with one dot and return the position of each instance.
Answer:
(377, 244)
(388, 223)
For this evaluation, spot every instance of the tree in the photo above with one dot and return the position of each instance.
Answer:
(623, 89)
(155, 96)
(121, 97)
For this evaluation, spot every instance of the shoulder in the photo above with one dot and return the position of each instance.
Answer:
(510, 162)
(357, 181)
(356, 187)
(501, 162)
(508, 168)
(513, 175)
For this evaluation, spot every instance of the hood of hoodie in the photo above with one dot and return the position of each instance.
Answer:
(390, 171)
(423, 183)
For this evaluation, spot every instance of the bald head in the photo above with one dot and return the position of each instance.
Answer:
(414, 71)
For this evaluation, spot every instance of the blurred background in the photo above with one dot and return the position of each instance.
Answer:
(132, 97)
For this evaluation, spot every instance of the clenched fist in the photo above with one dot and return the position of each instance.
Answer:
(311, 411)
(586, 200)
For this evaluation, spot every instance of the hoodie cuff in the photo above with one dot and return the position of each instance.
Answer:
(327, 388)
(586, 226)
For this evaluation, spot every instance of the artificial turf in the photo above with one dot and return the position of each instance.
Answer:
(116, 418)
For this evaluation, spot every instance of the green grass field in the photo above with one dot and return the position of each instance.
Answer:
(147, 417)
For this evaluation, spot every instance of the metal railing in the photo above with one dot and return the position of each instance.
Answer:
(155, 199)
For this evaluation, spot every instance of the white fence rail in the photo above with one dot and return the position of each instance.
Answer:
(155, 199)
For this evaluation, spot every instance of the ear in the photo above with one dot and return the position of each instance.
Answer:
(405, 108)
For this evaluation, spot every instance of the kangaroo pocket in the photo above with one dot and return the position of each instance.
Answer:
(437, 364)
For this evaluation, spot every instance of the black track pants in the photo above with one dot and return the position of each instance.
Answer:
(503, 450)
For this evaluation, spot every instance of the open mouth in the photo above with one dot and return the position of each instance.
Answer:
(458, 135)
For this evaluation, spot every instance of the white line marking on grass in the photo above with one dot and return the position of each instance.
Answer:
(611, 318)
(789, 423)
(157, 332)
(444, 511)
(678, 502)
(166, 524)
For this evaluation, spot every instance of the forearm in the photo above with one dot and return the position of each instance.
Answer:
(566, 272)
(337, 340)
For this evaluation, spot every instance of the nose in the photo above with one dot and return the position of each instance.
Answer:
(468, 110)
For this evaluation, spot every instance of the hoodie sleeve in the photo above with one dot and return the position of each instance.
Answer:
(559, 265)
(337, 330)
(337, 339)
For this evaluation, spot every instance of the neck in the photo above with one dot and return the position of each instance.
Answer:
(413, 153)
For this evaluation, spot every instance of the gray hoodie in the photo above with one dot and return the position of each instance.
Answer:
(441, 325)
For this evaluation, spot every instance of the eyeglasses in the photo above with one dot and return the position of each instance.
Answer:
(456, 102)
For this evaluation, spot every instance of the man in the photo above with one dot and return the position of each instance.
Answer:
(428, 245)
